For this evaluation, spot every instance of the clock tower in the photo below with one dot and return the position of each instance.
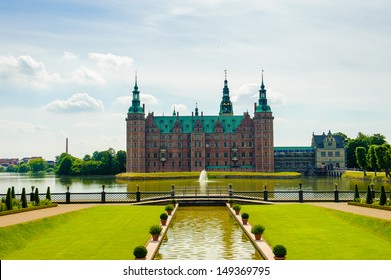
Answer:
(264, 140)
(226, 108)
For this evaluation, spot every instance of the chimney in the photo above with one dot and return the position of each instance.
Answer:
(66, 145)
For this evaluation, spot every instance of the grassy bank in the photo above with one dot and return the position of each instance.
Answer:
(359, 175)
(211, 175)
(97, 233)
(316, 233)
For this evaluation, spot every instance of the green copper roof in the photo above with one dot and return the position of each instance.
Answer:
(229, 123)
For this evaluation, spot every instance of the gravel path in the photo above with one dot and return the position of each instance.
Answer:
(64, 208)
(39, 214)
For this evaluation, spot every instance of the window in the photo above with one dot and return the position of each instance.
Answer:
(337, 154)
(322, 154)
(330, 154)
(243, 154)
(216, 155)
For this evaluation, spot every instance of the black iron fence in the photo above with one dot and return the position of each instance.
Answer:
(179, 194)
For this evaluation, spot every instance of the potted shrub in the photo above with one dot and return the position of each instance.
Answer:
(245, 217)
(163, 218)
(140, 252)
(155, 231)
(279, 252)
(257, 230)
(173, 202)
(169, 208)
(230, 202)
(237, 208)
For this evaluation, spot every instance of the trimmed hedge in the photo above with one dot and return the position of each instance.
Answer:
(9, 212)
(370, 206)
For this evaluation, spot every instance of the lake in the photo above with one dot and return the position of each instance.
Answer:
(94, 184)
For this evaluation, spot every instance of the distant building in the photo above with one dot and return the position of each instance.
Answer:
(192, 143)
(296, 159)
(329, 152)
(8, 161)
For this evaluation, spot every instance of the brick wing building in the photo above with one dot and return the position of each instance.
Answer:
(225, 142)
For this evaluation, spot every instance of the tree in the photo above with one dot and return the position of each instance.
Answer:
(361, 158)
(37, 165)
(36, 197)
(23, 168)
(383, 197)
(371, 158)
(24, 198)
(369, 198)
(383, 159)
(121, 158)
(65, 165)
(8, 200)
(48, 195)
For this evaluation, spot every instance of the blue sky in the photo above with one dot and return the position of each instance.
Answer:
(67, 67)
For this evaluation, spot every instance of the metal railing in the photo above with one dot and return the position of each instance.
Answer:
(179, 194)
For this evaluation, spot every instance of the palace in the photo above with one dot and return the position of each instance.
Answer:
(224, 141)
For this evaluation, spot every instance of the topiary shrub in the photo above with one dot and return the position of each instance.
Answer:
(257, 229)
(36, 198)
(163, 216)
(24, 198)
(383, 196)
(155, 229)
(245, 215)
(369, 199)
(48, 195)
(356, 194)
(279, 251)
(8, 200)
(140, 252)
(13, 192)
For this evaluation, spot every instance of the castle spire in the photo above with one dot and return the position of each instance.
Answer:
(262, 101)
(226, 104)
(135, 108)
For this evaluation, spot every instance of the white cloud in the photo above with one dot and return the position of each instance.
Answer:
(25, 70)
(179, 108)
(79, 102)
(145, 98)
(251, 90)
(84, 75)
(69, 56)
(15, 126)
(109, 61)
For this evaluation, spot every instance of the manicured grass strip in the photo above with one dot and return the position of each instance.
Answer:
(97, 233)
(211, 174)
(315, 233)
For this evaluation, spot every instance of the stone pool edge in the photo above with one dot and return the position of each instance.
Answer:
(153, 246)
(261, 245)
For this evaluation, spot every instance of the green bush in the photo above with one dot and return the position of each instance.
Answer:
(48, 195)
(245, 215)
(279, 251)
(36, 198)
(169, 207)
(237, 207)
(163, 216)
(140, 252)
(24, 198)
(13, 192)
(369, 199)
(356, 194)
(8, 200)
(383, 196)
(257, 229)
(155, 229)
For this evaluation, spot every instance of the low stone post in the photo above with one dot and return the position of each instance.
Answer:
(265, 194)
(336, 193)
(138, 194)
(301, 197)
(67, 196)
(103, 194)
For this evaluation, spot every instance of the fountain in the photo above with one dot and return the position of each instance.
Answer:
(203, 176)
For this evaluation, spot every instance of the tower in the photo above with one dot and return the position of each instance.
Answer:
(135, 134)
(226, 108)
(264, 139)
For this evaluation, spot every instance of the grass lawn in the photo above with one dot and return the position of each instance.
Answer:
(315, 233)
(97, 233)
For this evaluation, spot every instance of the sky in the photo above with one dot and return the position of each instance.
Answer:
(67, 68)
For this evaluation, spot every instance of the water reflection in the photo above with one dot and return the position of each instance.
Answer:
(206, 233)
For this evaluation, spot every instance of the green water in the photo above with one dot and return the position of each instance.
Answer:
(94, 184)
(206, 233)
